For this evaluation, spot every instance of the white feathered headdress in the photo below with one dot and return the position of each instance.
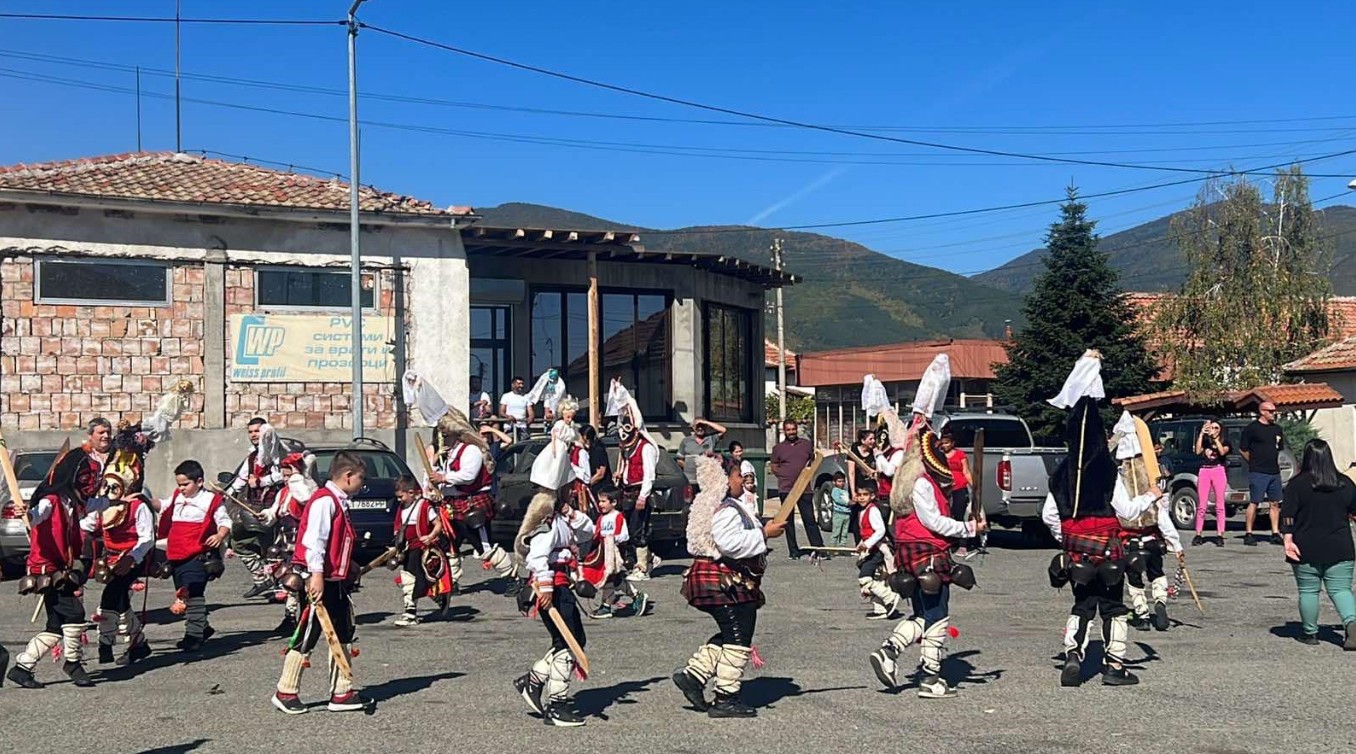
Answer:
(169, 411)
(933, 387)
(874, 398)
(549, 389)
(713, 489)
(1126, 437)
(622, 405)
(419, 395)
(1085, 379)
(270, 448)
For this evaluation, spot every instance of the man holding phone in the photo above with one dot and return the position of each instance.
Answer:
(1261, 446)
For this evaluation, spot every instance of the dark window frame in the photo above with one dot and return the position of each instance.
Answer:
(498, 384)
(752, 358)
(41, 297)
(605, 377)
(303, 269)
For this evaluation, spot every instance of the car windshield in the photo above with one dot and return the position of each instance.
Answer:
(33, 467)
(381, 465)
(998, 433)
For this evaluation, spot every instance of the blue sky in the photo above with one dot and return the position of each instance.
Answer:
(1108, 82)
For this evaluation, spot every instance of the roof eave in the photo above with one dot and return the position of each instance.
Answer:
(245, 211)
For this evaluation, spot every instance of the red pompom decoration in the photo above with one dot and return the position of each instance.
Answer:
(306, 663)
(139, 586)
(353, 651)
(953, 632)
(97, 617)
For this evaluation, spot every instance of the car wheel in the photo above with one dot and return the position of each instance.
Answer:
(1182, 508)
(1036, 534)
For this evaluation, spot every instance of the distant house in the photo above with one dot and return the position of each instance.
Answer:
(836, 377)
(1335, 365)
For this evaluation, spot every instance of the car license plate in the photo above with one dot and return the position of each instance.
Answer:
(367, 505)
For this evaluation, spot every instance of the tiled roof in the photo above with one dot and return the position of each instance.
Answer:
(770, 356)
(901, 362)
(1337, 357)
(190, 179)
(1296, 397)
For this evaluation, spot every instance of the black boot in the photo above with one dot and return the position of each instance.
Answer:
(287, 627)
(78, 675)
(560, 715)
(693, 690)
(1072, 674)
(730, 706)
(23, 678)
(1160, 619)
(261, 587)
(1140, 622)
(190, 643)
(4, 663)
(1115, 675)
(1348, 645)
(136, 653)
(105, 653)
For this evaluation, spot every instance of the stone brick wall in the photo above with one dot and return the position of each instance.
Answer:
(308, 405)
(62, 364)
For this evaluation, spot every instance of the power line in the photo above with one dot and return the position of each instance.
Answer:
(772, 119)
(172, 19)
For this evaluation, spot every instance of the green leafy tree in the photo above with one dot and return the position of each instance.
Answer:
(1257, 290)
(1075, 304)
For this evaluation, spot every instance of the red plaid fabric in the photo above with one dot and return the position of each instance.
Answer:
(916, 557)
(461, 506)
(1094, 547)
(713, 583)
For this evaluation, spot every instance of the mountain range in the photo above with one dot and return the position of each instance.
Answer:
(851, 295)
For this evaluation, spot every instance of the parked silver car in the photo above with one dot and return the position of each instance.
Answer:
(30, 467)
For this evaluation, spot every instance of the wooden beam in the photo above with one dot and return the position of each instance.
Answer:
(595, 411)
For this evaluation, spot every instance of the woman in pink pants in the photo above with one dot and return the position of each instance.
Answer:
(1212, 448)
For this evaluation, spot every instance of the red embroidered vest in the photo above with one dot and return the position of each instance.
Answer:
(910, 529)
(420, 528)
(187, 539)
(635, 464)
(123, 537)
(339, 549)
(483, 480)
(54, 542)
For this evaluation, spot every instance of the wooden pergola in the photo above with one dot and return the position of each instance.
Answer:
(611, 246)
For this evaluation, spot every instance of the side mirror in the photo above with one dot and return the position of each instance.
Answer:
(225, 478)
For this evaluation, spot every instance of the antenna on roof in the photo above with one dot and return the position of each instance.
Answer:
(178, 112)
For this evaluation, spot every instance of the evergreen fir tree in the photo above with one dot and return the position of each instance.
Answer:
(1075, 304)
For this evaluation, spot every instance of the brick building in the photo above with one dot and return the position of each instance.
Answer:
(124, 274)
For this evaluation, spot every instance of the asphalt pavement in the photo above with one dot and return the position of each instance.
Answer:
(1232, 680)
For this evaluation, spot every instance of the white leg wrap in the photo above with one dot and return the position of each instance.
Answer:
(643, 559)
(934, 646)
(558, 681)
(730, 669)
(1138, 602)
(907, 632)
(290, 681)
(882, 595)
(292, 607)
(541, 669)
(1115, 632)
(500, 561)
(1158, 589)
(407, 591)
(454, 565)
(37, 647)
(1076, 634)
(72, 646)
(338, 683)
(702, 664)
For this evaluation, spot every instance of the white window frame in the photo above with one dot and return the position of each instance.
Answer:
(39, 298)
(376, 289)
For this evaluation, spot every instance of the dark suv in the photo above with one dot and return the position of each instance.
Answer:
(1178, 436)
(372, 509)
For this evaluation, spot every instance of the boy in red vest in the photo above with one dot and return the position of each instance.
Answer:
(417, 528)
(194, 524)
(874, 554)
(125, 523)
(924, 533)
(325, 541)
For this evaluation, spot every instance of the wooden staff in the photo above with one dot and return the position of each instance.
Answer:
(423, 456)
(381, 560)
(337, 651)
(565, 633)
(827, 548)
(12, 481)
(1192, 586)
(232, 498)
(36, 609)
(858, 461)
(798, 489)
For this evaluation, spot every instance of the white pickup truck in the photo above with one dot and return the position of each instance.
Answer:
(1016, 472)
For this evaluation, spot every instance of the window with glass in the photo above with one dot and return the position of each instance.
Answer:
(304, 288)
(87, 281)
(729, 364)
(490, 328)
(633, 330)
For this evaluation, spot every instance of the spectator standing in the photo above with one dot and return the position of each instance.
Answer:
(515, 405)
(1315, 518)
(702, 442)
(842, 508)
(1261, 446)
(865, 449)
(1213, 450)
(481, 407)
(789, 458)
(600, 467)
(959, 464)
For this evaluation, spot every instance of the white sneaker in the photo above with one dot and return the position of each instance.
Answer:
(638, 576)
(884, 668)
(408, 619)
(935, 687)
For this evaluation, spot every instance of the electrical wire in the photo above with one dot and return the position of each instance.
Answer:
(173, 20)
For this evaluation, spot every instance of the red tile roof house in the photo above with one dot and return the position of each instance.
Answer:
(1335, 365)
(124, 274)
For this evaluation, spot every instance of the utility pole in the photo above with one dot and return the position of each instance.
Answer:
(355, 245)
(781, 336)
(178, 106)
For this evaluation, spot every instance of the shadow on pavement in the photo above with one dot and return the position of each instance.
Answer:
(768, 690)
(399, 687)
(593, 702)
(1292, 630)
(219, 645)
(177, 748)
(368, 619)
